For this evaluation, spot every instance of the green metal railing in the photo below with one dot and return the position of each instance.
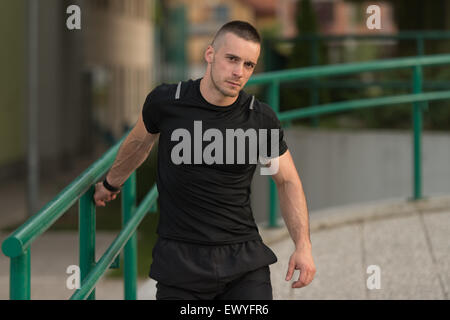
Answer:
(312, 41)
(275, 78)
(17, 245)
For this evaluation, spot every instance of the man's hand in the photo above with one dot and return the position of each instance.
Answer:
(102, 195)
(301, 260)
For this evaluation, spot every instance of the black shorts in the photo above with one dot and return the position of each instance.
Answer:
(191, 271)
(252, 285)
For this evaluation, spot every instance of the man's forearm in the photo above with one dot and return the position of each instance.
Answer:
(132, 153)
(295, 212)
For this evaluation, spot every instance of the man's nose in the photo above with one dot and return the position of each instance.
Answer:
(238, 70)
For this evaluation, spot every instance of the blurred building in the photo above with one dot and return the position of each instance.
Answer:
(341, 17)
(91, 82)
(202, 20)
(326, 18)
(273, 18)
(12, 86)
(265, 12)
(335, 16)
(118, 56)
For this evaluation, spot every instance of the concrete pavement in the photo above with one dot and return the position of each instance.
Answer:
(407, 242)
(412, 253)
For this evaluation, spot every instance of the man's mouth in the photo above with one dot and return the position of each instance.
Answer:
(235, 84)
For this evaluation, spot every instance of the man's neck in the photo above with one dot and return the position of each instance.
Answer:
(214, 96)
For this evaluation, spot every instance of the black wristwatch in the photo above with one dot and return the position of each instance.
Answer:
(110, 187)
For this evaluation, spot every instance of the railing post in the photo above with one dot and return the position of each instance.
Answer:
(19, 281)
(274, 102)
(274, 95)
(420, 45)
(314, 92)
(87, 235)
(130, 250)
(417, 134)
(273, 204)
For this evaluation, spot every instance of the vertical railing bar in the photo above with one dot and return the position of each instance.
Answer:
(421, 52)
(273, 204)
(19, 283)
(274, 95)
(87, 235)
(417, 133)
(130, 249)
(274, 102)
(420, 45)
(314, 92)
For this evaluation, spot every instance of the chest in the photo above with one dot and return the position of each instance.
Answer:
(198, 136)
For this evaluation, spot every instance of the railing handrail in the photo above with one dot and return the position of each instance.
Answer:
(116, 246)
(362, 103)
(21, 239)
(347, 68)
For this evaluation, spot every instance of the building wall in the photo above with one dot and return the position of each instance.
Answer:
(118, 51)
(52, 79)
(51, 102)
(115, 45)
(286, 12)
(12, 83)
(348, 167)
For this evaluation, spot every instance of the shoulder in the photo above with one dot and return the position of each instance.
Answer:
(161, 93)
(266, 112)
(166, 92)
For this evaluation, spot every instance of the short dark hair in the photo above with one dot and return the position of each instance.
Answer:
(241, 29)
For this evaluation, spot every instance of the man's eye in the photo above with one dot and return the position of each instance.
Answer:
(249, 65)
(232, 58)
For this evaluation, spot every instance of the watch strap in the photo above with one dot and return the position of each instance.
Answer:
(110, 187)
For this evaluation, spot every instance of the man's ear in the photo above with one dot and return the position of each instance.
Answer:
(209, 54)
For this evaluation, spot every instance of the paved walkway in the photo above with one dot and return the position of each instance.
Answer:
(408, 242)
(411, 250)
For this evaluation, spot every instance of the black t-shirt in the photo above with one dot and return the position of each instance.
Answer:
(203, 201)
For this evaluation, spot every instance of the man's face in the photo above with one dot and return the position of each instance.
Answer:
(232, 63)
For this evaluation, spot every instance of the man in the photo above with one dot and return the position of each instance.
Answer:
(208, 244)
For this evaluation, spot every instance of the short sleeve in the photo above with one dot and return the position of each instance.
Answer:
(282, 146)
(274, 131)
(150, 113)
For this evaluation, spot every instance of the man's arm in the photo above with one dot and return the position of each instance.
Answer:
(295, 213)
(132, 153)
